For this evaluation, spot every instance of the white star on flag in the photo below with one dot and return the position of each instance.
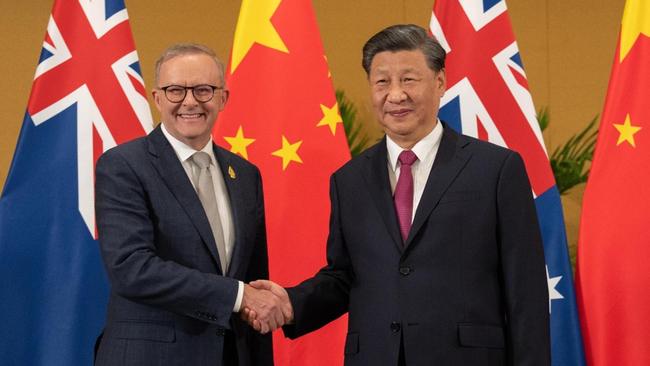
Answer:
(553, 294)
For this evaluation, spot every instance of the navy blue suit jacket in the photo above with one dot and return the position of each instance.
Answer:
(170, 303)
(468, 287)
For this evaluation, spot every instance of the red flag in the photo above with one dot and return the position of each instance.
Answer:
(282, 116)
(614, 246)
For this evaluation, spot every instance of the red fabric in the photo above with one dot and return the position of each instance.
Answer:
(278, 94)
(403, 196)
(613, 272)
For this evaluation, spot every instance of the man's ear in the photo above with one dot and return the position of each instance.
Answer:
(441, 79)
(157, 94)
(225, 94)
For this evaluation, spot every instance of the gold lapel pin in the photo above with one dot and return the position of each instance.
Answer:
(231, 172)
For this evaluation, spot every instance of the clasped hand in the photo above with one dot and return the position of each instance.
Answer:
(266, 306)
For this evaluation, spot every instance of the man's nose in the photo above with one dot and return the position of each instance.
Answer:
(189, 98)
(396, 93)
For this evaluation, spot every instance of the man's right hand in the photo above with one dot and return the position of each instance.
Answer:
(266, 306)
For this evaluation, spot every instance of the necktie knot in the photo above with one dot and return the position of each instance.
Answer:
(202, 159)
(407, 157)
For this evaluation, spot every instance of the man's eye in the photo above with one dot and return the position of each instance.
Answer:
(175, 91)
(203, 90)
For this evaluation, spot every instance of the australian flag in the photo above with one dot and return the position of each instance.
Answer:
(487, 97)
(87, 96)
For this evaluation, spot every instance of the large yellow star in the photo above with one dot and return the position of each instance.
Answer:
(288, 152)
(254, 26)
(239, 143)
(635, 22)
(330, 118)
(626, 131)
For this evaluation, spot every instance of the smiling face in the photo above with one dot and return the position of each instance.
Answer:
(405, 95)
(190, 121)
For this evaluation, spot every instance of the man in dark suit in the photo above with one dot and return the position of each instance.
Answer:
(434, 248)
(181, 228)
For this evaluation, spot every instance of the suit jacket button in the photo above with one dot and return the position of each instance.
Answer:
(395, 327)
(405, 270)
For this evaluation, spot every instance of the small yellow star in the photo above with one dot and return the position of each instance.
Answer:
(626, 131)
(635, 22)
(239, 143)
(254, 26)
(288, 152)
(330, 118)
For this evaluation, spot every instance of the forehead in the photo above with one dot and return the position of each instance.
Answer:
(399, 61)
(190, 69)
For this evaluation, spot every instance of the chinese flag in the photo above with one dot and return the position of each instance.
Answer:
(614, 248)
(282, 116)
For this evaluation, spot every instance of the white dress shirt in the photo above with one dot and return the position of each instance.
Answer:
(426, 151)
(184, 153)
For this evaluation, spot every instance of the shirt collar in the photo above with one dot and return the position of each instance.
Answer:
(184, 151)
(422, 148)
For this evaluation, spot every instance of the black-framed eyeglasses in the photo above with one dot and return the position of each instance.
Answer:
(202, 93)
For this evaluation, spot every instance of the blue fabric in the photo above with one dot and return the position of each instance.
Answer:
(54, 290)
(566, 339)
(113, 7)
(488, 4)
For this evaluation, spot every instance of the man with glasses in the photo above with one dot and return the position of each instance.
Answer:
(181, 229)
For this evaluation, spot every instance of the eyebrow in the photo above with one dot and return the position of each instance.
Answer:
(384, 71)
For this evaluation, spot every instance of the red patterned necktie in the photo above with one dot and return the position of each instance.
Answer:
(403, 196)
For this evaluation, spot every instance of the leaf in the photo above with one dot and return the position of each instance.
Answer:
(357, 139)
(570, 160)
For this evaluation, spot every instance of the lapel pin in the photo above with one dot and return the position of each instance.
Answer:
(231, 172)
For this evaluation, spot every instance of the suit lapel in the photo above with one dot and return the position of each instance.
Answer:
(376, 175)
(450, 160)
(233, 186)
(166, 162)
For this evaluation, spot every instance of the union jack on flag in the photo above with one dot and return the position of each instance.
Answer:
(87, 96)
(487, 97)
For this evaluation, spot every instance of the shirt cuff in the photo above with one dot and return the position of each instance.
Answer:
(240, 296)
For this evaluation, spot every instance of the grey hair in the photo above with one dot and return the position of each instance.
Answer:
(404, 37)
(181, 49)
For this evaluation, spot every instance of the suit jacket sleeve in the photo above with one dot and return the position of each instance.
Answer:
(324, 297)
(135, 268)
(523, 268)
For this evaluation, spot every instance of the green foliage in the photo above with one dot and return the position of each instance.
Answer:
(542, 118)
(357, 139)
(569, 161)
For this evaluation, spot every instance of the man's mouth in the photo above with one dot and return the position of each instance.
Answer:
(399, 112)
(190, 115)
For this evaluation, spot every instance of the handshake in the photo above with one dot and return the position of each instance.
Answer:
(266, 306)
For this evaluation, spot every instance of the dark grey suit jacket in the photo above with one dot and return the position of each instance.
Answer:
(170, 303)
(467, 288)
